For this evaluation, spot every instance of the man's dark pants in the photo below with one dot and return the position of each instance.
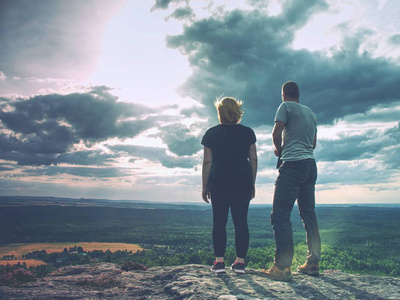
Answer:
(296, 180)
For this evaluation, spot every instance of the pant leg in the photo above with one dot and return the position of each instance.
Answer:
(306, 205)
(287, 188)
(220, 207)
(239, 210)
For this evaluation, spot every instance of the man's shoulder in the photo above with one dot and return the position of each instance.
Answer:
(305, 108)
(309, 110)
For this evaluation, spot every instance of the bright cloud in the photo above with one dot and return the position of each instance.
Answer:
(110, 99)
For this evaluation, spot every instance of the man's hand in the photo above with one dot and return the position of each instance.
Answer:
(276, 152)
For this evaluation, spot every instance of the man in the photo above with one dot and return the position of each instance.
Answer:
(294, 137)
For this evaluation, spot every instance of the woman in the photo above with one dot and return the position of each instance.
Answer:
(229, 174)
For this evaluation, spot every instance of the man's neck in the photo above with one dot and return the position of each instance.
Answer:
(291, 100)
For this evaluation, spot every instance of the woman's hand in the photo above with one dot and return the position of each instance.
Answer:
(207, 162)
(206, 195)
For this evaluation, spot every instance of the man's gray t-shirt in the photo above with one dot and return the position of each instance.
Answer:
(300, 129)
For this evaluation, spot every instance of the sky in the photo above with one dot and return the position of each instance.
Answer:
(110, 99)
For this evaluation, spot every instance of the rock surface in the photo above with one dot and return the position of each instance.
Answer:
(108, 281)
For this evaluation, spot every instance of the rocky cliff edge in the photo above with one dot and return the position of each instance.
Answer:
(108, 281)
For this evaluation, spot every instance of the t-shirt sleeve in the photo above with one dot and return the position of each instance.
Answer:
(252, 137)
(281, 114)
(206, 140)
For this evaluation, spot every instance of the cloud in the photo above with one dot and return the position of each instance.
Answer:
(46, 38)
(248, 54)
(352, 173)
(364, 159)
(4, 167)
(363, 136)
(81, 172)
(380, 113)
(155, 154)
(90, 157)
(395, 39)
(182, 14)
(163, 4)
(36, 130)
(180, 139)
(391, 152)
(346, 148)
(3, 76)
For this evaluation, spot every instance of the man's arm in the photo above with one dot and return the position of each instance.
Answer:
(315, 141)
(207, 161)
(277, 137)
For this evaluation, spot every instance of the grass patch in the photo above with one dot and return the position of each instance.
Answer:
(29, 262)
(21, 249)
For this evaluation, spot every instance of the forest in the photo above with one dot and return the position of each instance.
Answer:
(362, 239)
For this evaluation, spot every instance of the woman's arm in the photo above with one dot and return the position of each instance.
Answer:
(207, 161)
(253, 163)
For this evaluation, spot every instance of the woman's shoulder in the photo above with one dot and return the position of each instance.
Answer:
(213, 129)
(245, 128)
(216, 127)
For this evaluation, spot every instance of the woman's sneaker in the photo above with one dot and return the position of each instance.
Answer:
(218, 267)
(238, 267)
(309, 269)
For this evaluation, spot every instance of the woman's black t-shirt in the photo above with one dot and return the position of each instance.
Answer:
(230, 167)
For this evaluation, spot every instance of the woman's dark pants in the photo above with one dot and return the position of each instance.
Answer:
(221, 201)
(296, 180)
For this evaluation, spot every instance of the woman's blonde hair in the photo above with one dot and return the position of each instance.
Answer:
(229, 110)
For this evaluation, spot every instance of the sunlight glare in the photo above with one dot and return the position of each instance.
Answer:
(136, 62)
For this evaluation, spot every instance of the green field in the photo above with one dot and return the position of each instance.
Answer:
(356, 239)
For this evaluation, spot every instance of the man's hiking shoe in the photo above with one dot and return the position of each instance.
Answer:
(309, 269)
(238, 267)
(218, 267)
(277, 274)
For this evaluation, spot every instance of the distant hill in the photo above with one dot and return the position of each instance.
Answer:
(45, 200)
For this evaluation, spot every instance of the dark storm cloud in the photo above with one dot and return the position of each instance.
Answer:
(38, 129)
(157, 155)
(248, 54)
(45, 38)
(179, 139)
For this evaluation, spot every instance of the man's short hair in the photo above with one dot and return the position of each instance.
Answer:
(291, 90)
